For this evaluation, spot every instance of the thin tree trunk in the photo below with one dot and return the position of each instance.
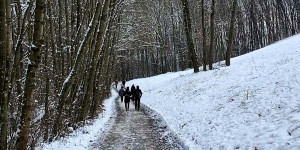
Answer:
(8, 47)
(3, 100)
(60, 45)
(34, 60)
(212, 35)
(16, 74)
(55, 71)
(68, 36)
(189, 37)
(231, 33)
(78, 13)
(7, 53)
(45, 119)
(204, 38)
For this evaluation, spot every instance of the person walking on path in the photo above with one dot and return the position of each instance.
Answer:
(123, 83)
(138, 94)
(132, 90)
(121, 93)
(127, 95)
(116, 83)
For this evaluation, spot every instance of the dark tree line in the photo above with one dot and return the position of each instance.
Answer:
(155, 38)
(56, 59)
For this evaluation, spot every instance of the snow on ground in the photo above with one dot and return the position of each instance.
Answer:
(83, 137)
(254, 103)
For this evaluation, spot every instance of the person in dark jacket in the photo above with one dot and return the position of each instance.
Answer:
(127, 95)
(132, 90)
(116, 83)
(121, 93)
(123, 83)
(138, 94)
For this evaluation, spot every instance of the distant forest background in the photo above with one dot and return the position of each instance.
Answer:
(59, 58)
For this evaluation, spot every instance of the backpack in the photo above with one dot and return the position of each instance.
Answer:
(126, 94)
(138, 93)
(121, 92)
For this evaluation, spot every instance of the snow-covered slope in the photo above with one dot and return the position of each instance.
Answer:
(254, 103)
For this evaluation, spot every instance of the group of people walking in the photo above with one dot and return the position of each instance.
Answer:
(133, 94)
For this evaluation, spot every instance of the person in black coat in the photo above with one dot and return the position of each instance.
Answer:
(121, 93)
(138, 94)
(133, 92)
(116, 83)
(123, 83)
(127, 95)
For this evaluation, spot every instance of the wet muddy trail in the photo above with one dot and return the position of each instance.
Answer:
(138, 130)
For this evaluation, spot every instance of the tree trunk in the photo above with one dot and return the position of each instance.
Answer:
(34, 60)
(60, 45)
(7, 70)
(189, 36)
(45, 119)
(9, 50)
(231, 33)
(204, 38)
(78, 12)
(3, 55)
(68, 36)
(55, 70)
(212, 35)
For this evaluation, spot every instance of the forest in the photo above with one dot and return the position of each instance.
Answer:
(58, 59)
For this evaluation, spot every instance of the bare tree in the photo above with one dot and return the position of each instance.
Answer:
(34, 60)
(3, 55)
(188, 31)
(204, 37)
(231, 33)
(212, 35)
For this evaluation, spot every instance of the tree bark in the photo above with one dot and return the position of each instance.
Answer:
(212, 35)
(68, 36)
(3, 55)
(46, 116)
(204, 38)
(34, 60)
(231, 33)
(78, 12)
(9, 46)
(189, 36)
(7, 72)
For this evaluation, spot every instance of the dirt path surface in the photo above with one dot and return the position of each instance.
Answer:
(138, 130)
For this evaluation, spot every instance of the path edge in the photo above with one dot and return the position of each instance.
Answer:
(162, 123)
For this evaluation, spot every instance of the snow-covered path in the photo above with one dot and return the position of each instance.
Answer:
(138, 130)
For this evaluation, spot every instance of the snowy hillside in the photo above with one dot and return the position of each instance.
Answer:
(254, 103)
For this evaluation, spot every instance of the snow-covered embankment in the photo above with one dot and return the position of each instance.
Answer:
(83, 137)
(254, 103)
